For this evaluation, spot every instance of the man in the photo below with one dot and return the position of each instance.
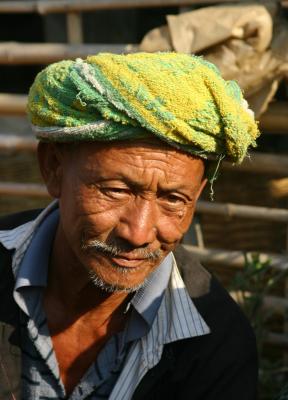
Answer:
(91, 292)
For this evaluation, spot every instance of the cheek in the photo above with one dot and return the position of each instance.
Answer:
(171, 229)
(83, 212)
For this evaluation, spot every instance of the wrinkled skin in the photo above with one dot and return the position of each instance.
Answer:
(133, 195)
(137, 196)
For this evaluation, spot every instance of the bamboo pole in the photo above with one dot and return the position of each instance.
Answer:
(23, 189)
(63, 6)
(275, 119)
(17, 143)
(276, 339)
(242, 211)
(273, 303)
(262, 164)
(234, 259)
(12, 53)
(277, 304)
(12, 104)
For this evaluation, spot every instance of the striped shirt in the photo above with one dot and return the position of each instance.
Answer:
(127, 356)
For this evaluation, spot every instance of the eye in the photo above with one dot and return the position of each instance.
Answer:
(173, 202)
(173, 199)
(116, 192)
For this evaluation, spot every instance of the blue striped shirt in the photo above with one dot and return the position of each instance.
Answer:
(162, 313)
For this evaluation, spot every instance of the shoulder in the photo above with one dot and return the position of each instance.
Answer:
(221, 313)
(11, 221)
(221, 363)
(7, 225)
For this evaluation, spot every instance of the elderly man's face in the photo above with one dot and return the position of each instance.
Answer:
(123, 206)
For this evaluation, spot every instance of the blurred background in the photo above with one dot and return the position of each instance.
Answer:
(242, 236)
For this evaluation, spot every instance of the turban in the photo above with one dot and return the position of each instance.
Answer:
(181, 99)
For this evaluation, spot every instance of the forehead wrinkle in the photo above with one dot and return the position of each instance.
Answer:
(148, 179)
(164, 165)
(149, 166)
(148, 163)
(169, 167)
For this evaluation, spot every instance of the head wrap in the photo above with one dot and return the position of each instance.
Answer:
(181, 99)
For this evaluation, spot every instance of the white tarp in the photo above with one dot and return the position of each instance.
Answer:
(247, 43)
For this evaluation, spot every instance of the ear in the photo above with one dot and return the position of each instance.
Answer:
(200, 189)
(50, 162)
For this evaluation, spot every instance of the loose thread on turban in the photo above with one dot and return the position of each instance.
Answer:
(214, 176)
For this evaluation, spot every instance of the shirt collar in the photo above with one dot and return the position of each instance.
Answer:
(19, 238)
(13, 239)
(147, 300)
(33, 270)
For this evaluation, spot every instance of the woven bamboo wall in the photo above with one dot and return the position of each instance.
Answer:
(245, 234)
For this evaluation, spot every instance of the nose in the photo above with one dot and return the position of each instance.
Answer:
(137, 224)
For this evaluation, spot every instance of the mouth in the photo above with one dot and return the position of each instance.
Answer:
(127, 262)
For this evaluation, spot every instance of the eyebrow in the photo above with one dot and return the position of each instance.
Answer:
(138, 186)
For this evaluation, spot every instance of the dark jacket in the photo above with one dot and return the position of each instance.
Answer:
(218, 366)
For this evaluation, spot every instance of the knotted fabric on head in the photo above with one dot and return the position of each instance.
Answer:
(179, 98)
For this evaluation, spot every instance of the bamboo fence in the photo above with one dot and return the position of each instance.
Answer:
(67, 6)
(13, 53)
(274, 120)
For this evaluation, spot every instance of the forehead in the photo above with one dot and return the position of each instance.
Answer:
(135, 158)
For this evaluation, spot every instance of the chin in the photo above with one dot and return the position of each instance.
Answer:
(113, 277)
(114, 287)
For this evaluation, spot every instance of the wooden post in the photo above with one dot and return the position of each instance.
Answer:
(199, 235)
(74, 28)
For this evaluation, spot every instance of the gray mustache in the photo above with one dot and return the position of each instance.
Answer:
(115, 250)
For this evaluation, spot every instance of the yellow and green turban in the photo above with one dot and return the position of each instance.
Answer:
(181, 99)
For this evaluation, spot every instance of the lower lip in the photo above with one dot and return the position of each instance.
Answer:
(124, 262)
